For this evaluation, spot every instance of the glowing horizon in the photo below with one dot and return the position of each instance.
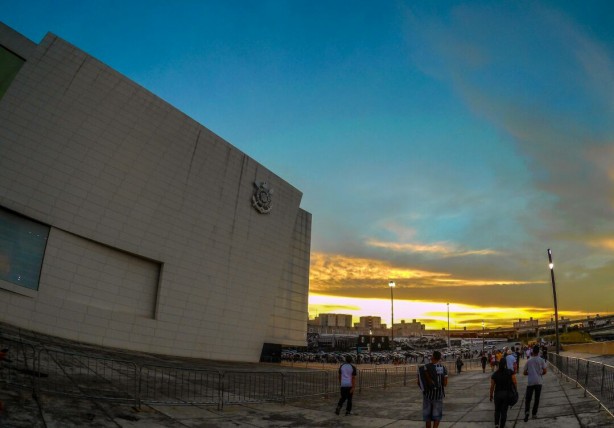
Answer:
(433, 314)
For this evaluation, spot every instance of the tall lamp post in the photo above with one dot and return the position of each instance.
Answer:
(391, 284)
(556, 309)
(448, 324)
(483, 337)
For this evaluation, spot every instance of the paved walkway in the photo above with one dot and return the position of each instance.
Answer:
(467, 405)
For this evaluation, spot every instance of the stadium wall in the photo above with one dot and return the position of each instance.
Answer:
(125, 223)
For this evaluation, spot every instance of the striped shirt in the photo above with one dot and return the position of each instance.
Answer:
(437, 373)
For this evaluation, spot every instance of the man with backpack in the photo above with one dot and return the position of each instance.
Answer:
(432, 379)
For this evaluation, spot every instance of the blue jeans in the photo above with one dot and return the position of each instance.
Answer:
(432, 410)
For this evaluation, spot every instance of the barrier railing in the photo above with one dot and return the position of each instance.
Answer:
(17, 362)
(80, 375)
(252, 387)
(597, 379)
(312, 383)
(178, 386)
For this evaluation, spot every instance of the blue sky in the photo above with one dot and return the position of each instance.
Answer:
(443, 145)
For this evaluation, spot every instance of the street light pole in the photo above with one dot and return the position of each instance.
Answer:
(391, 284)
(556, 309)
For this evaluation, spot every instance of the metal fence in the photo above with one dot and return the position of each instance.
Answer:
(595, 378)
(54, 371)
(77, 375)
(17, 362)
(310, 383)
(178, 386)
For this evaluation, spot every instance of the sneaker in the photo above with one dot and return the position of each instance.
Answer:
(348, 414)
(526, 417)
(337, 410)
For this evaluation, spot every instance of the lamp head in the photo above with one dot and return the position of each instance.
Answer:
(391, 284)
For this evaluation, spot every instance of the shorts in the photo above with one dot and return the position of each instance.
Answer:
(432, 410)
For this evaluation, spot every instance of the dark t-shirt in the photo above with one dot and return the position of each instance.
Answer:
(503, 381)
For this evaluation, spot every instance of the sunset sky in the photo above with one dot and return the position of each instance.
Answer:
(443, 145)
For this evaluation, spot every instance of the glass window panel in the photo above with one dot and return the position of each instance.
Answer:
(22, 247)
(9, 67)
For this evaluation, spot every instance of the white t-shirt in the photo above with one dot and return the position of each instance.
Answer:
(510, 360)
(347, 371)
(534, 368)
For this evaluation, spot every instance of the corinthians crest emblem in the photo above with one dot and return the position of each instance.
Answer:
(261, 200)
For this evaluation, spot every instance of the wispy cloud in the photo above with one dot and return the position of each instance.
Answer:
(444, 249)
(450, 282)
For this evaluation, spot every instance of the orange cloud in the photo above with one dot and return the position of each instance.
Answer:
(605, 243)
(335, 272)
(329, 270)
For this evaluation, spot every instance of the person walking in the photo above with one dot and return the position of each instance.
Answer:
(432, 380)
(459, 364)
(535, 368)
(501, 383)
(347, 382)
(484, 361)
(510, 360)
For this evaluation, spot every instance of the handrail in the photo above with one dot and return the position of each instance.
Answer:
(600, 387)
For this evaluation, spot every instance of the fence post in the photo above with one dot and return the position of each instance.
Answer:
(577, 372)
(137, 386)
(586, 377)
(359, 382)
(36, 367)
(385, 377)
(220, 400)
(602, 379)
(283, 388)
(405, 376)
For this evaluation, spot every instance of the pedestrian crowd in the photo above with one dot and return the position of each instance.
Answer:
(432, 379)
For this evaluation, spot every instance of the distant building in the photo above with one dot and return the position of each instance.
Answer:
(335, 320)
(125, 223)
(528, 324)
(413, 328)
(369, 322)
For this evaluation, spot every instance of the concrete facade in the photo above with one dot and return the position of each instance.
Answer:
(335, 320)
(154, 243)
